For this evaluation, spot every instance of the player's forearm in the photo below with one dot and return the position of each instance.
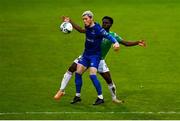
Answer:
(111, 38)
(108, 36)
(78, 28)
(127, 43)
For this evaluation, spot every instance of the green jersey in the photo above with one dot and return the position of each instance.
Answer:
(106, 44)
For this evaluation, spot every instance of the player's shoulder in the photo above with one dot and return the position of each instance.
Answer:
(119, 38)
(113, 33)
(97, 26)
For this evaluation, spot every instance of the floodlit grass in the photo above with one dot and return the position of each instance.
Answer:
(34, 55)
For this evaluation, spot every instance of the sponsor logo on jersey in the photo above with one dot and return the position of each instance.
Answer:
(90, 40)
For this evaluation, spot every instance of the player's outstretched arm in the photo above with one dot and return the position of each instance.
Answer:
(128, 43)
(78, 28)
(75, 26)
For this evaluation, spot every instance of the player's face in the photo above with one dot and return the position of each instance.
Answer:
(87, 20)
(106, 24)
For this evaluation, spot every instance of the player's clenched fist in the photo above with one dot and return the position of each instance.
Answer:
(65, 19)
(116, 46)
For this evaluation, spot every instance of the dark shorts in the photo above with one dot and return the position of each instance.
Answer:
(90, 60)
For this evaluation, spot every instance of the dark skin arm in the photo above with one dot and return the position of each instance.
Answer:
(82, 30)
(75, 26)
(127, 43)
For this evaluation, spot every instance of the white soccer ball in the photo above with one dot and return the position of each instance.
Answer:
(66, 27)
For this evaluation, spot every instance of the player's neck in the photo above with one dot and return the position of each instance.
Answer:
(107, 30)
(92, 24)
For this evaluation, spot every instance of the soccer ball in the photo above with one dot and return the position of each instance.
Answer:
(66, 27)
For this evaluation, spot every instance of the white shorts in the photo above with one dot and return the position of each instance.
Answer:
(77, 59)
(102, 68)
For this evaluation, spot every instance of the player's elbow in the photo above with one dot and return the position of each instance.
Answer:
(82, 31)
(126, 45)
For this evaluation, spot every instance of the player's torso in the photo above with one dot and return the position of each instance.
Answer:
(105, 46)
(93, 40)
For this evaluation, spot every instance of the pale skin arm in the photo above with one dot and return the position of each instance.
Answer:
(116, 46)
(75, 26)
(81, 30)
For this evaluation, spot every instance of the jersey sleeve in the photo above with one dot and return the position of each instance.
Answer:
(107, 35)
(118, 38)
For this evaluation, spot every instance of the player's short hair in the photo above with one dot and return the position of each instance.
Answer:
(109, 18)
(88, 13)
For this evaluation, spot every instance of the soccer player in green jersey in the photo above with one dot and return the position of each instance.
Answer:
(107, 22)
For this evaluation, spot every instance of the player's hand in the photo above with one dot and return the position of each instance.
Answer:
(116, 46)
(65, 19)
(142, 43)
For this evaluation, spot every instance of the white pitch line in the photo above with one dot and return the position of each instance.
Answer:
(50, 113)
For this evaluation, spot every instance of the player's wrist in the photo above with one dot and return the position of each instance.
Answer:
(70, 21)
(139, 43)
(115, 41)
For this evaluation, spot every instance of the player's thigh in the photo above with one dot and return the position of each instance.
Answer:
(80, 69)
(92, 71)
(84, 61)
(73, 66)
(94, 61)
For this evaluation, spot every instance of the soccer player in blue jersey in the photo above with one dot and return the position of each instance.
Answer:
(107, 22)
(91, 55)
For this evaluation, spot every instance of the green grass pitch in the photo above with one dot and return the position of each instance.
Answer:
(34, 55)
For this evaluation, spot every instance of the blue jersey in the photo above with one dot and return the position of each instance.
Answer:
(94, 37)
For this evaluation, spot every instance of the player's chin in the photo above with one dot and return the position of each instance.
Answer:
(87, 25)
